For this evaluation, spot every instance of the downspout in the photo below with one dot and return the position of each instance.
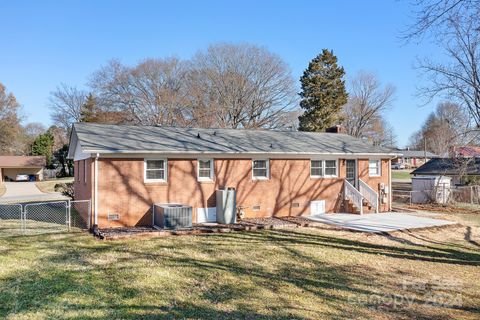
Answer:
(95, 214)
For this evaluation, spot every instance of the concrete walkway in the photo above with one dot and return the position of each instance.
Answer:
(380, 222)
(27, 191)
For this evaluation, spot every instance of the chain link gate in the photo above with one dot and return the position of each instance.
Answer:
(45, 217)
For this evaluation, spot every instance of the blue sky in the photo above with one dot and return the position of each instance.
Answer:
(45, 43)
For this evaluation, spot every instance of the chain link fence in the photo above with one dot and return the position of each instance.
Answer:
(45, 217)
(452, 195)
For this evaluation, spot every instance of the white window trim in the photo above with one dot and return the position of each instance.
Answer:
(323, 176)
(323, 169)
(379, 163)
(212, 167)
(267, 161)
(165, 163)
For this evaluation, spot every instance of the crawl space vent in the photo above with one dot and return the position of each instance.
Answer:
(256, 208)
(113, 217)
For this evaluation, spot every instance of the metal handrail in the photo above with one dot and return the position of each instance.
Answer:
(369, 194)
(351, 193)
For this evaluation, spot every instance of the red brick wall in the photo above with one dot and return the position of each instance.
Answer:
(374, 182)
(83, 189)
(122, 188)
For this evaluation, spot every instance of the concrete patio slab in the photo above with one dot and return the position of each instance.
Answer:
(380, 222)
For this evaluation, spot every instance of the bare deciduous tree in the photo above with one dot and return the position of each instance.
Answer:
(151, 93)
(65, 104)
(240, 86)
(431, 17)
(235, 86)
(445, 127)
(458, 79)
(11, 141)
(368, 99)
(454, 26)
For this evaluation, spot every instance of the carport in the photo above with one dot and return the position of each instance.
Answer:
(11, 166)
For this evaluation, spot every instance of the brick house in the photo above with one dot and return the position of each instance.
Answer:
(124, 170)
(413, 158)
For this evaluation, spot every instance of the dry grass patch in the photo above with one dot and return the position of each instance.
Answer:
(310, 273)
(48, 186)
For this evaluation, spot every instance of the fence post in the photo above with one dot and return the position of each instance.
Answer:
(23, 218)
(69, 220)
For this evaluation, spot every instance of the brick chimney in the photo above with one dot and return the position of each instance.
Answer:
(336, 129)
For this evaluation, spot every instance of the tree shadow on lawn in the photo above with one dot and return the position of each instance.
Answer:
(423, 253)
(60, 278)
(66, 279)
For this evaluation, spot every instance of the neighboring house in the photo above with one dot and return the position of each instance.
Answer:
(11, 166)
(413, 158)
(461, 170)
(126, 169)
(464, 152)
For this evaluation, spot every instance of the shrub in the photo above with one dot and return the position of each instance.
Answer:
(65, 188)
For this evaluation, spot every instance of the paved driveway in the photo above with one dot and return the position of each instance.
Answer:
(381, 222)
(23, 191)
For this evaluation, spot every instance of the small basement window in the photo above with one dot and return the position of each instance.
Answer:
(155, 170)
(374, 168)
(260, 169)
(205, 170)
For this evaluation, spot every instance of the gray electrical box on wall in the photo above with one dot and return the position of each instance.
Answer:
(226, 206)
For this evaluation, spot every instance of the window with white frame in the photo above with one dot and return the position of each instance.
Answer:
(155, 170)
(260, 169)
(374, 168)
(316, 168)
(205, 169)
(323, 168)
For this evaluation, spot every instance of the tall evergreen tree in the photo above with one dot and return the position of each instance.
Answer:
(323, 93)
(88, 111)
(43, 146)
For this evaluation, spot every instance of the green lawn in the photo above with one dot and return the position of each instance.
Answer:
(401, 175)
(308, 273)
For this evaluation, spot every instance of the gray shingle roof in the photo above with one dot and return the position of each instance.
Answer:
(416, 154)
(104, 138)
(450, 166)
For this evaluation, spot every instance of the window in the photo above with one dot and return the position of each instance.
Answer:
(155, 170)
(374, 168)
(205, 170)
(330, 168)
(260, 169)
(316, 168)
(323, 168)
